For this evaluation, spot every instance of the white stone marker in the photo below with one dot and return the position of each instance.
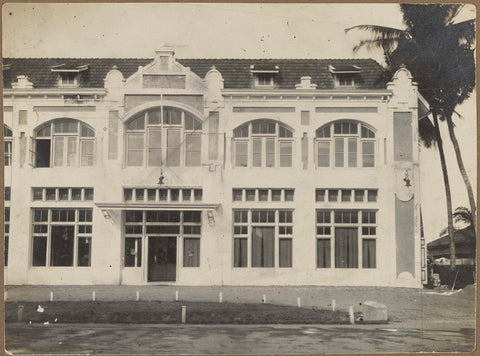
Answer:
(51, 296)
(93, 295)
(176, 295)
(352, 316)
(334, 304)
(299, 302)
(264, 298)
(184, 314)
(137, 295)
(220, 297)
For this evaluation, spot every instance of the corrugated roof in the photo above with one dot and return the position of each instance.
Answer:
(236, 72)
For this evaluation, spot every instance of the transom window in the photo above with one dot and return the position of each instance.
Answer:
(62, 194)
(346, 195)
(262, 194)
(62, 237)
(7, 141)
(263, 143)
(164, 136)
(346, 236)
(265, 234)
(345, 144)
(63, 143)
(171, 195)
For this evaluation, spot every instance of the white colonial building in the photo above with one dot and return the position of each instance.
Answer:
(211, 172)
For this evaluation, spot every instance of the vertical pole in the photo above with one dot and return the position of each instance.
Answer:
(20, 313)
(299, 302)
(5, 296)
(51, 296)
(220, 297)
(176, 295)
(137, 295)
(264, 298)
(352, 317)
(334, 304)
(93, 295)
(184, 314)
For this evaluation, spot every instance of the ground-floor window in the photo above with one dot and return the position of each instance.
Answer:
(346, 237)
(62, 237)
(256, 235)
(161, 227)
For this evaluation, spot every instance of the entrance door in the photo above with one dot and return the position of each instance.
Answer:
(162, 258)
(346, 247)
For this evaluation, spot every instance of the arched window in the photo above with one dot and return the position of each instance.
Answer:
(345, 144)
(64, 143)
(263, 143)
(164, 136)
(7, 140)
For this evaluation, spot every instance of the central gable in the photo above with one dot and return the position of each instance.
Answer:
(164, 73)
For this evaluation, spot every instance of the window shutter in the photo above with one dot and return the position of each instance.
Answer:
(154, 147)
(58, 144)
(71, 151)
(193, 152)
(32, 151)
(87, 153)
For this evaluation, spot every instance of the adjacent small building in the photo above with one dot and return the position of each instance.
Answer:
(211, 172)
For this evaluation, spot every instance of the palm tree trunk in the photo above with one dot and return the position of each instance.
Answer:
(447, 189)
(461, 167)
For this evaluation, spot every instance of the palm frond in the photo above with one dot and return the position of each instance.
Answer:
(387, 45)
(426, 132)
(464, 29)
(382, 32)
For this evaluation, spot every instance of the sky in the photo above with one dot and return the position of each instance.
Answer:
(221, 30)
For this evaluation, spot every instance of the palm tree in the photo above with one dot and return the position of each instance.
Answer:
(440, 55)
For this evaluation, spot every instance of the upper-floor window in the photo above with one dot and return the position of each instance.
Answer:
(68, 74)
(264, 80)
(7, 140)
(263, 143)
(345, 75)
(68, 79)
(164, 136)
(64, 143)
(345, 144)
(345, 80)
(264, 74)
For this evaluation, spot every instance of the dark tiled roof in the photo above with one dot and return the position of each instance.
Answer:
(236, 72)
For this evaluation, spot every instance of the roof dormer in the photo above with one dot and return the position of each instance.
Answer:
(264, 75)
(68, 75)
(345, 75)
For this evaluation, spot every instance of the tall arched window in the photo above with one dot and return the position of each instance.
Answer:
(64, 143)
(164, 136)
(345, 144)
(7, 140)
(263, 143)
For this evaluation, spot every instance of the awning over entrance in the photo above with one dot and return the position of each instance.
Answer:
(157, 206)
